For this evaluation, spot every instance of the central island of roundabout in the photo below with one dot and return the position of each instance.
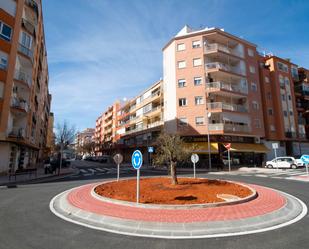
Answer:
(194, 208)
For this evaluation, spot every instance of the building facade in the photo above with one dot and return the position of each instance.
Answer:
(217, 84)
(84, 137)
(24, 95)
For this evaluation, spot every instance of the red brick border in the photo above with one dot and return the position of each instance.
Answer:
(267, 202)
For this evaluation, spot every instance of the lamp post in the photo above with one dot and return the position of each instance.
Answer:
(208, 115)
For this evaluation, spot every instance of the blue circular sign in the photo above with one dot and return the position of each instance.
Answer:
(137, 159)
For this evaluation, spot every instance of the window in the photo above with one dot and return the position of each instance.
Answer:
(252, 69)
(270, 111)
(1, 89)
(285, 113)
(286, 81)
(181, 64)
(199, 120)
(197, 62)
(255, 105)
(291, 113)
(282, 67)
(147, 108)
(26, 40)
(181, 83)
(182, 102)
(250, 52)
(181, 47)
(257, 123)
(5, 31)
(3, 60)
(289, 97)
(253, 87)
(199, 100)
(272, 128)
(282, 97)
(196, 44)
(183, 121)
(266, 79)
(269, 96)
(197, 81)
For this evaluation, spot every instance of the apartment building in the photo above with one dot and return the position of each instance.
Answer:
(301, 90)
(24, 95)
(211, 85)
(105, 130)
(217, 84)
(50, 141)
(84, 137)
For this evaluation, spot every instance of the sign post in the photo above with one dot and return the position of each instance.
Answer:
(118, 158)
(137, 161)
(194, 160)
(275, 147)
(228, 147)
(305, 159)
(150, 151)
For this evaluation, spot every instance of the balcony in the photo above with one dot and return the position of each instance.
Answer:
(23, 77)
(229, 127)
(217, 66)
(17, 132)
(219, 86)
(33, 5)
(220, 106)
(149, 126)
(25, 51)
(19, 104)
(290, 134)
(29, 26)
(216, 47)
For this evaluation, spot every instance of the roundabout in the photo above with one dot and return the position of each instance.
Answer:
(261, 209)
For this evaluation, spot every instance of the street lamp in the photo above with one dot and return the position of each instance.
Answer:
(208, 115)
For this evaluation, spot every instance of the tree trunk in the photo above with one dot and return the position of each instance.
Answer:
(173, 173)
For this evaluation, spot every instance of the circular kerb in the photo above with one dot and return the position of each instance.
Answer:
(173, 206)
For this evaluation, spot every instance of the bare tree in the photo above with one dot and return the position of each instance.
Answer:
(170, 149)
(89, 148)
(65, 135)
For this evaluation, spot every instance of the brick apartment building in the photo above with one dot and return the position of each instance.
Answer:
(218, 84)
(24, 95)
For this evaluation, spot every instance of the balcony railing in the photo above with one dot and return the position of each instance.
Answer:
(29, 26)
(32, 4)
(152, 125)
(19, 104)
(229, 127)
(22, 76)
(226, 86)
(290, 134)
(222, 66)
(213, 47)
(17, 132)
(226, 106)
(26, 51)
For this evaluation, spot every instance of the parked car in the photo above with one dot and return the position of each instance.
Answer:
(284, 162)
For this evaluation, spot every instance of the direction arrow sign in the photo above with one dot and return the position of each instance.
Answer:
(137, 159)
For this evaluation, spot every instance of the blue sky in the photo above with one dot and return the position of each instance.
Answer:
(100, 51)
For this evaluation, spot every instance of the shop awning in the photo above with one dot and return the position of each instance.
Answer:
(202, 147)
(245, 147)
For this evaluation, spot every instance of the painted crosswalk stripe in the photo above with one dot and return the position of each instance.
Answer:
(101, 170)
(83, 171)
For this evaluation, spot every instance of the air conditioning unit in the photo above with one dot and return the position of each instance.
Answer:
(257, 140)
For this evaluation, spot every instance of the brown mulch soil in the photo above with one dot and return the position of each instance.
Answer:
(160, 190)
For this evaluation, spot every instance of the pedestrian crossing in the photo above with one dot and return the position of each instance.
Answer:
(101, 171)
(289, 174)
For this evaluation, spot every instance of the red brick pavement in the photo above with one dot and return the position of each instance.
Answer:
(267, 201)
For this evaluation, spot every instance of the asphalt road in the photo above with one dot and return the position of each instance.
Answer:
(26, 221)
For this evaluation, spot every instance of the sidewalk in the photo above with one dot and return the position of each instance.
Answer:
(22, 179)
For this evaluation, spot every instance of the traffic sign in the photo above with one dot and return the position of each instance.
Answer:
(194, 158)
(137, 159)
(275, 145)
(150, 149)
(118, 158)
(305, 158)
(227, 146)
